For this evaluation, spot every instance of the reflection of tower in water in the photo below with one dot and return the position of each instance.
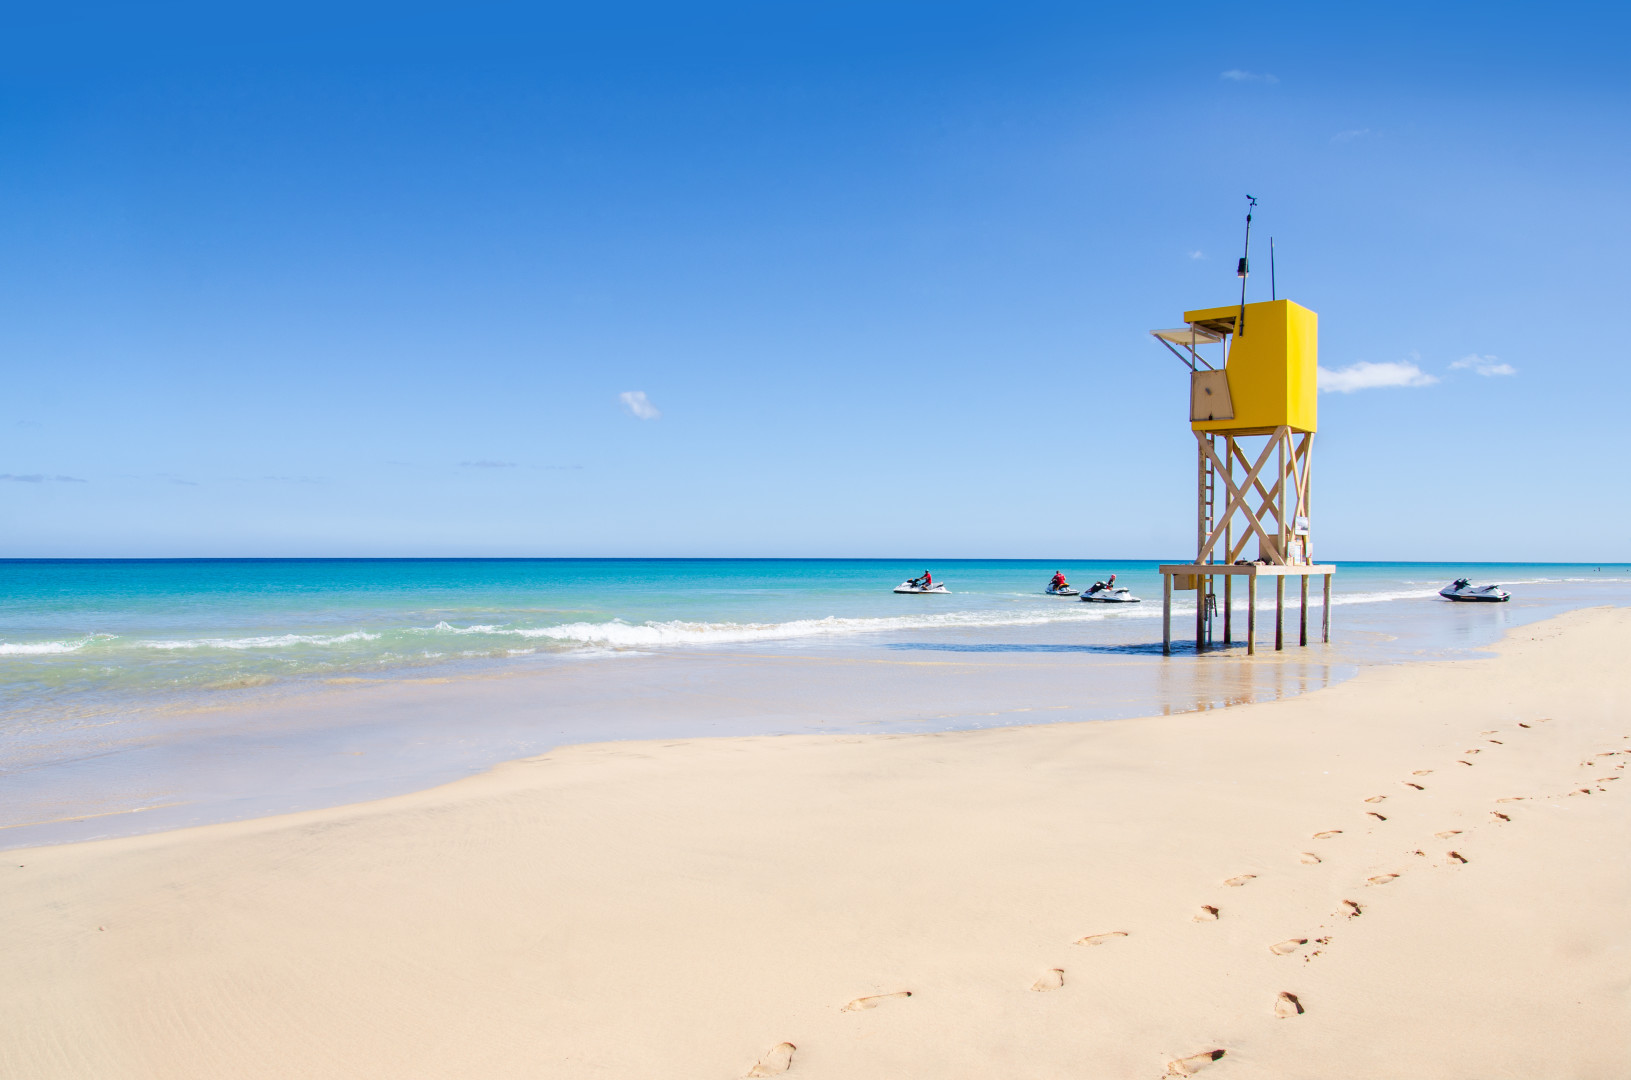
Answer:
(1253, 416)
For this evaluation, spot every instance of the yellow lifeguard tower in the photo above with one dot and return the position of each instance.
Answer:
(1264, 390)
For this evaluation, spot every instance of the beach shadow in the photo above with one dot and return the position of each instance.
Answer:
(1139, 649)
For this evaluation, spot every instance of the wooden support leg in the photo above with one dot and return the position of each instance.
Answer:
(1279, 611)
(1228, 608)
(1200, 613)
(1302, 613)
(1166, 614)
(1251, 614)
(1325, 612)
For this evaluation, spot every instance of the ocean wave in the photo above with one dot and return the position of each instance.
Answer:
(1266, 598)
(269, 641)
(495, 639)
(42, 648)
(619, 634)
(1338, 599)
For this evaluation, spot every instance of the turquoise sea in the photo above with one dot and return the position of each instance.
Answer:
(124, 681)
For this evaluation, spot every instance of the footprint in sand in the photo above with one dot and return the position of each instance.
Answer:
(1422, 772)
(1239, 880)
(1418, 787)
(1193, 1064)
(1377, 798)
(1497, 742)
(1381, 879)
(1287, 1006)
(1474, 750)
(1460, 762)
(862, 1004)
(1499, 816)
(1100, 939)
(1208, 914)
(1457, 856)
(1491, 731)
(1288, 946)
(1053, 979)
(1327, 834)
(1374, 814)
(1308, 858)
(777, 1060)
(1522, 724)
(1511, 798)
(1351, 909)
(1447, 833)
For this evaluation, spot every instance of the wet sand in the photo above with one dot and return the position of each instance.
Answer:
(1418, 872)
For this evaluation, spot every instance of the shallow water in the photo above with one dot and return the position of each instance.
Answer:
(143, 695)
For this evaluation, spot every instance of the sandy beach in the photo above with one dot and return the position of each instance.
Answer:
(1419, 872)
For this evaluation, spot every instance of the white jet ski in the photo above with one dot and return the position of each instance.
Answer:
(1066, 591)
(1107, 592)
(908, 587)
(1464, 590)
(1111, 596)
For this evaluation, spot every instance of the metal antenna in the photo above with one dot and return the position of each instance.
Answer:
(1244, 268)
(1274, 293)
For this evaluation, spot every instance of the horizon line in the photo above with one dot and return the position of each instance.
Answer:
(12, 559)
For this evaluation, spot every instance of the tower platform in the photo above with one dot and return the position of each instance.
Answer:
(1184, 576)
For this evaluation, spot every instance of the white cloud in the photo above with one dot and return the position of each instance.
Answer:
(1366, 375)
(638, 404)
(1237, 75)
(1483, 365)
(474, 465)
(40, 478)
(1197, 255)
(1350, 135)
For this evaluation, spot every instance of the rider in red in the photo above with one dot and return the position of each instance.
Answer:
(1059, 581)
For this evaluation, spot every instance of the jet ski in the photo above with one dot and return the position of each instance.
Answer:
(1107, 592)
(908, 587)
(1462, 589)
(1066, 591)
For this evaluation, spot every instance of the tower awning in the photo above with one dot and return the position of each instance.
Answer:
(1187, 335)
(1189, 338)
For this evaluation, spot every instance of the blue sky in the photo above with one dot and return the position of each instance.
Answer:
(376, 282)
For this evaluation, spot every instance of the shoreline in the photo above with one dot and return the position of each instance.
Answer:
(335, 741)
(685, 907)
(354, 743)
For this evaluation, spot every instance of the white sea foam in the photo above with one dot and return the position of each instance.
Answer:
(1314, 598)
(1381, 597)
(619, 634)
(616, 635)
(41, 648)
(269, 641)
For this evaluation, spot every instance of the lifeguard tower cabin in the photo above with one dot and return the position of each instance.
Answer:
(1253, 413)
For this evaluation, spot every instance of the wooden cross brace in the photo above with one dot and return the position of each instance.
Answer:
(1267, 512)
(1238, 493)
